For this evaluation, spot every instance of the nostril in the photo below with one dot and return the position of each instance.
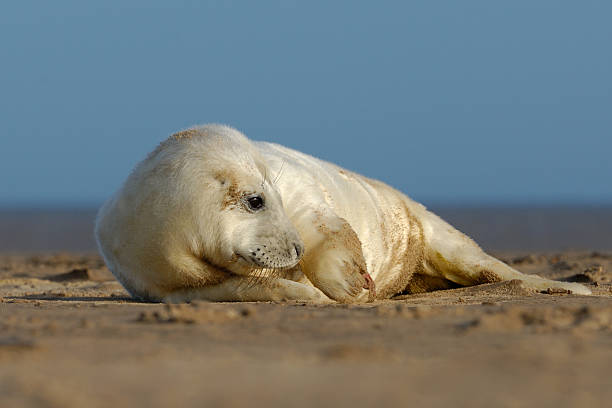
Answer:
(298, 250)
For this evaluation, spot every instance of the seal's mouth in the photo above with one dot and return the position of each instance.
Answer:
(250, 272)
(253, 262)
(247, 266)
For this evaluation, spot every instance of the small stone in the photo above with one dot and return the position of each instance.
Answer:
(556, 291)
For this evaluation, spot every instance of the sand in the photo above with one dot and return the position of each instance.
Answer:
(71, 337)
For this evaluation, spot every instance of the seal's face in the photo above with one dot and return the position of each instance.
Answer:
(235, 215)
(252, 220)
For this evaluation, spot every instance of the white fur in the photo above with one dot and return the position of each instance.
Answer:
(169, 234)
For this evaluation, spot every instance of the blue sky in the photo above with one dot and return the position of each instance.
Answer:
(451, 102)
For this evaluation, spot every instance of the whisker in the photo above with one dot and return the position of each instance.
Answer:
(259, 276)
(276, 274)
(280, 172)
(265, 275)
(252, 280)
(249, 282)
(265, 177)
(242, 284)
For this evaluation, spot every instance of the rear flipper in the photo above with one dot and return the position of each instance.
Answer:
(452, 255)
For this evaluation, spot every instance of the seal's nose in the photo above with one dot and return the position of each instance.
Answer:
(299, 250)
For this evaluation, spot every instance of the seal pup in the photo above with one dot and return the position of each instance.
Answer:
(211, 215)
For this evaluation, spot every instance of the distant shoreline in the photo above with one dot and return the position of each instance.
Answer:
(495, 227)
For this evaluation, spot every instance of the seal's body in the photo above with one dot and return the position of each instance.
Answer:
(211, 215)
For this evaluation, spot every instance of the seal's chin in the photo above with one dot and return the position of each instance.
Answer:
(248, 264)
(237, 266)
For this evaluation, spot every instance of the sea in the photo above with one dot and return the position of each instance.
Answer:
(495, 228)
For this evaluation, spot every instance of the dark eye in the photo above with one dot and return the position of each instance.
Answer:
(255, 203)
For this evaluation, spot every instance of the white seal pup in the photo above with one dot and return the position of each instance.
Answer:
(211, 215)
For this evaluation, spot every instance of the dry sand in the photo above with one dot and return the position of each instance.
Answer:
(70, 337)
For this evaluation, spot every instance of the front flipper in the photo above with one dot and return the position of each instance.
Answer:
(245, 289)
(333, 260)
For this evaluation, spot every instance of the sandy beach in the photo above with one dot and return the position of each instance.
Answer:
(71, 337)
(223, 135)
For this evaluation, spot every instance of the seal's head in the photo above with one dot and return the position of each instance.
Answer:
(215, 196)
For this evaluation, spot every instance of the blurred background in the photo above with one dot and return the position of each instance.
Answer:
(496, 115)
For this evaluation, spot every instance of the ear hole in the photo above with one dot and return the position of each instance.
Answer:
(224, 178)
(221, 179)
